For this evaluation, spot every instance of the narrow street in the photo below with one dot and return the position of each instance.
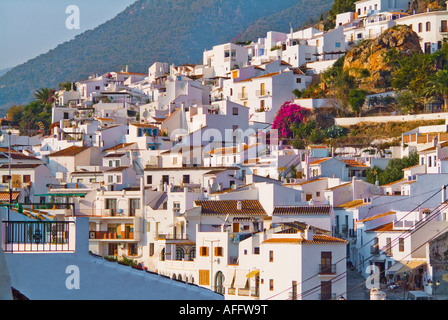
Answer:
(357, 290)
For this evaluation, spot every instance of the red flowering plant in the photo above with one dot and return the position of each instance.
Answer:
(288, 115)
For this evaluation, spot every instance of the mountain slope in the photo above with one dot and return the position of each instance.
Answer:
(303, 11)
(174, 31)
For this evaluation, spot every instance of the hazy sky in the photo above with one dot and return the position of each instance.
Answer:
(29, 28)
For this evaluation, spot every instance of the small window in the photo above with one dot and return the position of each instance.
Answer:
(298, 80)
(203, 251)
(257, 250)
(148, 179)
(271, 284)
(132, 249)
(271, 256)
(401, 244)
(235, 111)
(118, 179)
(218, 251)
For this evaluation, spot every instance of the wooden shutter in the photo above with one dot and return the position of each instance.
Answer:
(204, 277)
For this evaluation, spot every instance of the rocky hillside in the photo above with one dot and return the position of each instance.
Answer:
(367, 61)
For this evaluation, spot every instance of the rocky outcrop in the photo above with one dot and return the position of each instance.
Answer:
(367, 62)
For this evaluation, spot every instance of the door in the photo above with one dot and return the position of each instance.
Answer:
(325, 260)
(325, 290)
(113, 249)
(134, 204)
(166, 179)
(262, 88)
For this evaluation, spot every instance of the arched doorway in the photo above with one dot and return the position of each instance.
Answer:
(219, 282)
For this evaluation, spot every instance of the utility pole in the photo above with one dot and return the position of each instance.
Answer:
(9, 173)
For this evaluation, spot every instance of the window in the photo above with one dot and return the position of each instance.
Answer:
(176, 207)
(26, 178)
(5, 179)
(151, 249)
(204, 277)
(180, 253)
(186, 178)
(271, 284)
(443, 26)
(428, 26)
(110, 179)
(235, 111)
(118, 179)
(148, 179)
(117, 163)
(218, 251)
(97, 87)
(203, 251)
(111, 163)
(271, 256)
(401, 244)
(132, 249)
(420, 27)
(257, 250)
(298, 80)
(389, 246)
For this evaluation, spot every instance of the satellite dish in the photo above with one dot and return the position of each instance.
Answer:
(215, 186)
(146, 114)
(233, 187)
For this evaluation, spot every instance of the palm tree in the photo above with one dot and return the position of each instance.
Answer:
(45, 96)
(438, 86)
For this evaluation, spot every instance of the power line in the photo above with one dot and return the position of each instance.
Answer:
(424, 223)
(347, 256)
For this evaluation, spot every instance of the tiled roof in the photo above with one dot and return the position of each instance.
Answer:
(377, 216)
(394, 182)
(248, 207)
(68, 152)
(317, 239)
(118, 169)
(263, 76)
(355, 163)
(302, 210)
(20, 165)
(384, 228)
(319, 161)
(311, 181)
(4, 195)
(352, 204)
(119, 146)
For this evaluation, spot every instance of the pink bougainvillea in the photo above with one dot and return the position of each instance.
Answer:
(288, 114)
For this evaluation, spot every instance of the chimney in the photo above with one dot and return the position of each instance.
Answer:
(239, 205)
(308, 234)
(443, 193)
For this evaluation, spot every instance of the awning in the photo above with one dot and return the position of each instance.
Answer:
(401, 267)
(62, 195)
(228, 278)
(253, 274)
(240, 279)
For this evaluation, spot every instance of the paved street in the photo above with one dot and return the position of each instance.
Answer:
(357, 290)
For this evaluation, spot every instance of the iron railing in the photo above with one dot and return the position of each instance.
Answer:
(327, 269)
(43, 236)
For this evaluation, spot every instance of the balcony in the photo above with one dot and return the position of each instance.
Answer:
(104, 235)
(443, 29)
(329, 269)
(23, 236)
(262, 93)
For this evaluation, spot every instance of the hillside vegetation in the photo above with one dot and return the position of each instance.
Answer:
(173, 31)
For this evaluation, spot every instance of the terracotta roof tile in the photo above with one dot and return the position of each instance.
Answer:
(248, 207)
(68, 152)
(377, 216)
(302, 210)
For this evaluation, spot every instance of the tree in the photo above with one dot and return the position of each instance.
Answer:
(438, 85)
(289, 114)
(356, 99)
(407, 101)
(45, 96)
(393, 171)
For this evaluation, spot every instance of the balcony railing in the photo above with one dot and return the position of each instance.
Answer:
(262, 93)
(104, 235)
(327, 269)
(23, 236)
